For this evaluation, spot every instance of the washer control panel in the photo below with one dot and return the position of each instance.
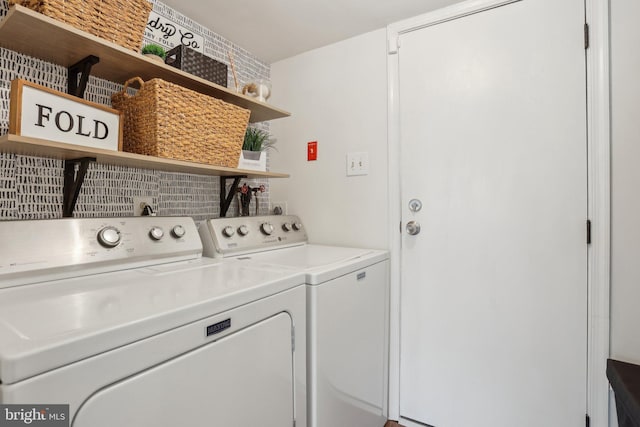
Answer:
(225, 236)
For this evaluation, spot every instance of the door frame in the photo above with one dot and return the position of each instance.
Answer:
(598, 193)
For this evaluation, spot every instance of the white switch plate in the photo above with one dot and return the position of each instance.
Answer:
(357, 164)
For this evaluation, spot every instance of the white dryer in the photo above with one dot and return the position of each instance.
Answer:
(125, 322)
(347, 312)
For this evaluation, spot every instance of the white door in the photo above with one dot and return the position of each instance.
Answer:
(493, 288)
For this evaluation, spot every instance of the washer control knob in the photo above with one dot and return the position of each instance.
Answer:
(243, 230)
(228, 231)
(266, 228)
(178, 231)
(109, 237)
(287, 227)
(297, 226)
(156, 233)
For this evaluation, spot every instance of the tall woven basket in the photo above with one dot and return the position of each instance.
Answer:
(118, 21)
(166, 120)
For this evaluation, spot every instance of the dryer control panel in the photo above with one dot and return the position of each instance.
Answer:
(37, 250)
(226, 236)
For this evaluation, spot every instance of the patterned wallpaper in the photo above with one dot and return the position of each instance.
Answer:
(31, 187)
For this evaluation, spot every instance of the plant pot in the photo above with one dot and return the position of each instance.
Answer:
(253, 160)
(154, 57)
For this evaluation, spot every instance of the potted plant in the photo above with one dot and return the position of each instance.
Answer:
(154, 51)
(256, 142)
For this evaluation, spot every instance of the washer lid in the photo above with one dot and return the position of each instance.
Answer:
(51, 324)
(319, 262)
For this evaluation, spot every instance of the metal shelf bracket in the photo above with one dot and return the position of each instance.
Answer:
(74, 173)
(227, 198)
(81, 68)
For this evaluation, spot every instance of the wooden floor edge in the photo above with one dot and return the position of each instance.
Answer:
(392, 424)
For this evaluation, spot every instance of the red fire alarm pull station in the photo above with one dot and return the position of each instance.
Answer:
(312, 151)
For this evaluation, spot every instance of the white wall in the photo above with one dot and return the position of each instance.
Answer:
(625, 181)
(337, 96)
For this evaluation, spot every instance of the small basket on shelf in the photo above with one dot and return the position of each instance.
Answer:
(119, 21)
(166, 120)
(198, 64)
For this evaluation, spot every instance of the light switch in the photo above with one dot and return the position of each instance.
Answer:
(357, 164)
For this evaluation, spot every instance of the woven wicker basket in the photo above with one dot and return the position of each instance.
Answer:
(166, 120)
(118, 21)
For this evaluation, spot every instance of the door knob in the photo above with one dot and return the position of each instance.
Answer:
(413, 228)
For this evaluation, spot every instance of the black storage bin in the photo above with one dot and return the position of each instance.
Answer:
(625, 382)
(196, 63)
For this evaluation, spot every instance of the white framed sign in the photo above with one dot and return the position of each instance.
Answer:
(39, 112)
(163, 31)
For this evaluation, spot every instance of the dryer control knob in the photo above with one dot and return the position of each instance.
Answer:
(109, 237)
(287, 227)
(297, 226)
(243, 230)
(178, 231)
(156, 233)
(266, 228)
(228, 231)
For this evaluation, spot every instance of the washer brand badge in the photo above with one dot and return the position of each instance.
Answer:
(34, 415)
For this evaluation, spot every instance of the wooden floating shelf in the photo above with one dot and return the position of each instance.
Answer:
(35, 34)
(57, 150)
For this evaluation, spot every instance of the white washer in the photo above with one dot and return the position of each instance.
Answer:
(123, 320)
(347, 312)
